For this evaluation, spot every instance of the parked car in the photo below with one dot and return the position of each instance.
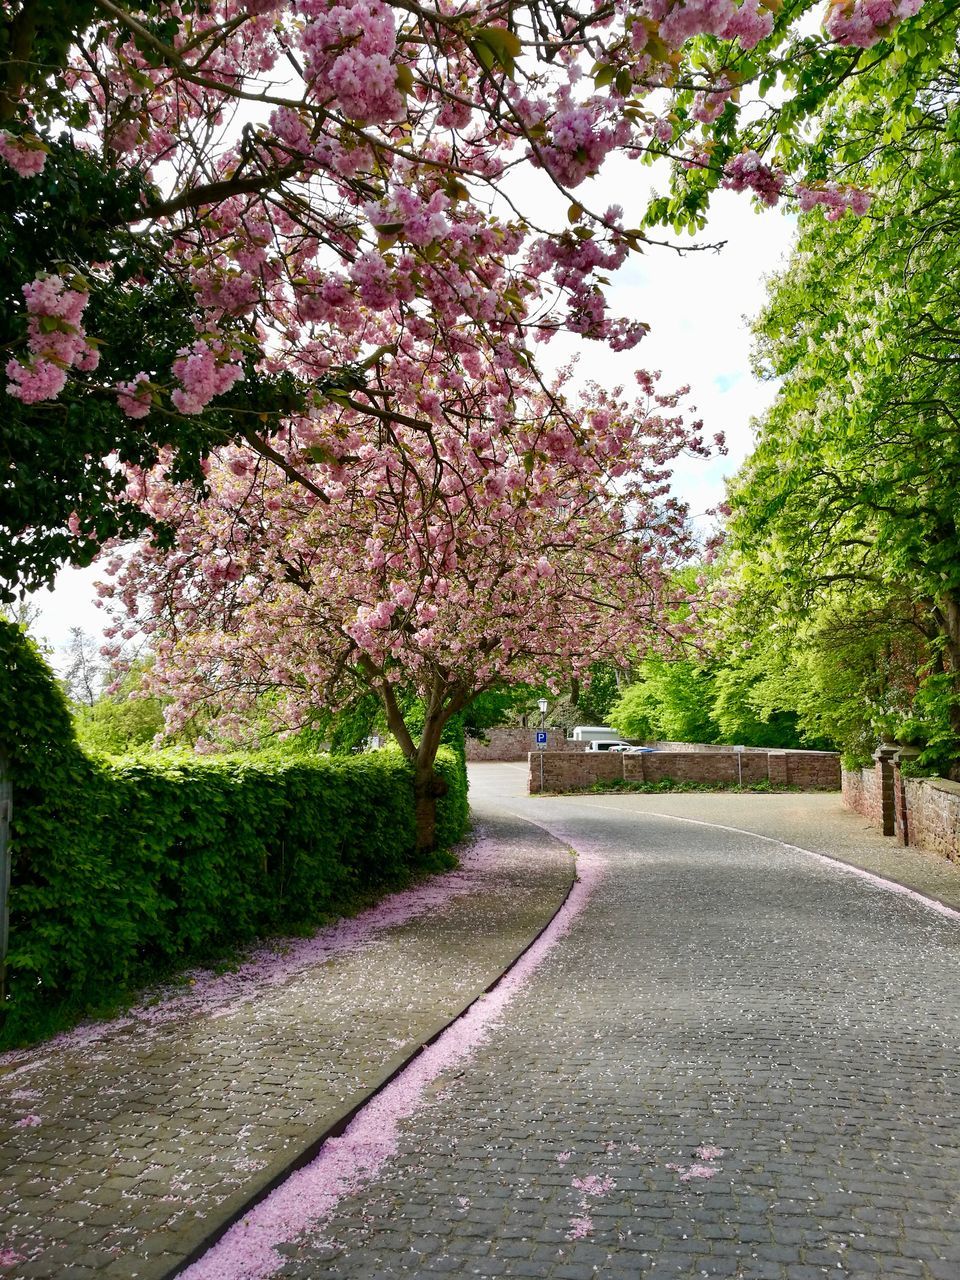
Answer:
(639, 751)
(608, 746)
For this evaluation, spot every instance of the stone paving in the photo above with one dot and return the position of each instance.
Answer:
(819, 822)
(740, 1062)
(122, 1144)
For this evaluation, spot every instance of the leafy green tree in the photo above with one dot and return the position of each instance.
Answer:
(740, 716)
(118, 721)
(846, 513)
(595, 700)
(671, 701)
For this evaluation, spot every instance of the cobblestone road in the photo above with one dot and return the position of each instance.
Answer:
(121, 1144)
(740, 1062)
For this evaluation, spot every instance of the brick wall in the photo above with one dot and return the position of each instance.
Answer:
(697, 746)
(506, 743)
(859, 792)
(870, 791)
(933, 815)
(810, 770)
(925, 811)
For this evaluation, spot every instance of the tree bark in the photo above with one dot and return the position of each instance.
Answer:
(21, 36)
(949, 614)
(443, 702)
(428, 786)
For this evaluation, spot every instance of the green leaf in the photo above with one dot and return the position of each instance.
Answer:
(496, 46)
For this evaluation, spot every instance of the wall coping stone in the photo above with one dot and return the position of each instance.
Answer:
(939, 784)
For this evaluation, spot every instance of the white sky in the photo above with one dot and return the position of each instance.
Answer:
(699, 307)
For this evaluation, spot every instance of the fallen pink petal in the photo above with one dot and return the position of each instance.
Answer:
(593, 1185)
(580, 1227)
(344, 1165)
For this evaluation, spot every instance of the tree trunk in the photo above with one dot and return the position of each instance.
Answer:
(948, 616)
(428, 787)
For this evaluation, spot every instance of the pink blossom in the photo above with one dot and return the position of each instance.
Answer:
(708, 104)
(28, 1122)
(747, 172)
(25, 154)
(39, 380)
(594, 1186)
(580, 1227)
(204, 372)
(134, 397)
(863, 23)
(836, 199)
(682, 19)
(56, 340)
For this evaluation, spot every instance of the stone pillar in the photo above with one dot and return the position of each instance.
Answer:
(884, 770)
(901, 820)
(777, 768)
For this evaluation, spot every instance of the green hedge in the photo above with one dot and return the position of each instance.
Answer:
(127, 870)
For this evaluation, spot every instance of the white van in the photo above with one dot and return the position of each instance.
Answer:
(617, 745)
(594, 733)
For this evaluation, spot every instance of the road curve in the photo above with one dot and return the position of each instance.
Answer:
(739, 1061)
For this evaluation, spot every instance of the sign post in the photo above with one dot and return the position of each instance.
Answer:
(542, 705)
(739, 751)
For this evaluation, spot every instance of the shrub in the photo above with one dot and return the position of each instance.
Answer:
(124, 870)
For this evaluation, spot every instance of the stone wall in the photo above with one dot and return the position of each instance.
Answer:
(506, 743)
(923, 812)
(870, 791)
(697, 746)
(809, 770)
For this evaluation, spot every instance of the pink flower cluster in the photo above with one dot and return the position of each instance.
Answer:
(708, 104)
(56, 339)
(348, 49)
(681, 19)
(747, 172)
(134, 397)
(863, 23)
(580, 141)
(26, 157)
(419, 221)
(836, 199)
(204, 371)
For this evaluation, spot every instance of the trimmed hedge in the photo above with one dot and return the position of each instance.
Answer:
(125, 871)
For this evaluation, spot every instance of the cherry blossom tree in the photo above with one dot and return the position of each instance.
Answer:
(214, 215)
(504, 533)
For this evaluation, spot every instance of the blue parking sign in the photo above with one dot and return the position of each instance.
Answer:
(541, 737)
